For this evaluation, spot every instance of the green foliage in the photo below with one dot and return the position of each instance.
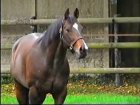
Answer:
(95, 79)
(6, 79)
(98, 79)
(106, 79)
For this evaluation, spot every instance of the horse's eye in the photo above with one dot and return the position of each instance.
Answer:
(67, 30)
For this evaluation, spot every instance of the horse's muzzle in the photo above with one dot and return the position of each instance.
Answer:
(82, 53)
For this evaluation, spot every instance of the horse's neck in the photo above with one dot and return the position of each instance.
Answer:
(60, 54)
(56, 53)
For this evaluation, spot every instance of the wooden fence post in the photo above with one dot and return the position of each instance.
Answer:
(117, 75)
(34, 27)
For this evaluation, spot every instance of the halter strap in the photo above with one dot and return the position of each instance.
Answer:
(61, 29)
(74, 42)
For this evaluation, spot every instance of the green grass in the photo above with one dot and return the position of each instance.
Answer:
(85, 99)
(84, 92)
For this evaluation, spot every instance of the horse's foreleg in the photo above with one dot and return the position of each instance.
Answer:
(59, 97)
(35, 96)
(21, 93)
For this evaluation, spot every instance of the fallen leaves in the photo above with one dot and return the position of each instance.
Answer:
(8, 89)
(83, 87)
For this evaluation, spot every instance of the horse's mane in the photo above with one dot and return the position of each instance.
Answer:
(52, 33)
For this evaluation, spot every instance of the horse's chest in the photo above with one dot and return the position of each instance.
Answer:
(54, 79)
(54, 83)
(60, 81)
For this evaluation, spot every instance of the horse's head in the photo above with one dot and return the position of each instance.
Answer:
(71, 34)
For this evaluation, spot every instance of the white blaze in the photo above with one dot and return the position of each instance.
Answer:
(75, 25)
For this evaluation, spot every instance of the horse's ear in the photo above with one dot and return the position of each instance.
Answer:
(76, 13)
(66, 15)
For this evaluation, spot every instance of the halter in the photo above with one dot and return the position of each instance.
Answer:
(62, 38)
(74, 42)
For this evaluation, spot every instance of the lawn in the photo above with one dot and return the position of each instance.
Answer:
(84, 92)
(85, 99)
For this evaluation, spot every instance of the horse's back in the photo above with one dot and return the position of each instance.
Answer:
(19, 51)
(27, 39)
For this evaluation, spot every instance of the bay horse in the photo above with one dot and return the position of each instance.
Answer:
(39, 65)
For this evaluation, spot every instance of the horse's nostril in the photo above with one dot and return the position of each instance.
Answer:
(81, 49)
(83, 52)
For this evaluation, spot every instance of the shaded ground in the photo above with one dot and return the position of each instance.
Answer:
(84, 87)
